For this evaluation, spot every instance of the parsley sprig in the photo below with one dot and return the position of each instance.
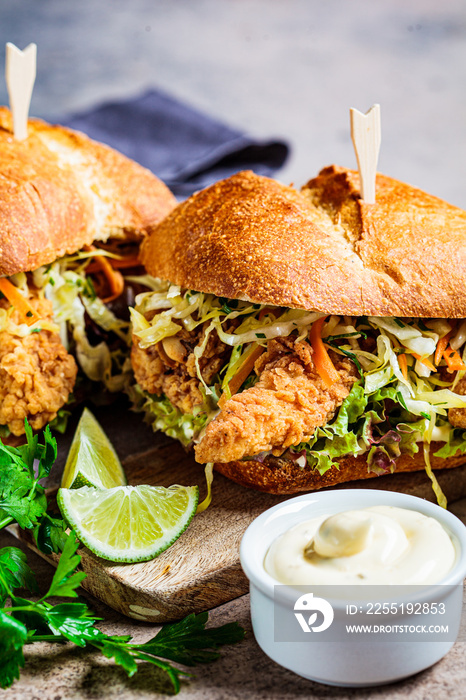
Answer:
(22, 498)
(22, 621)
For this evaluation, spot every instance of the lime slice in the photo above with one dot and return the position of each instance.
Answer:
(92, 460)
(128, 523)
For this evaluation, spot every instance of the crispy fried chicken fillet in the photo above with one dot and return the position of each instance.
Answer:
(288, 402)
(457, 416)
(36, 374)
(169, 367)
(282, 409)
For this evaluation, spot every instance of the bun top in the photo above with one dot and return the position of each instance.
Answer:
(59, 190)
(321, 249)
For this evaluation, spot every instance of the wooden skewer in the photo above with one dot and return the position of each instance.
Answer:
(365, 133)
(20, 74)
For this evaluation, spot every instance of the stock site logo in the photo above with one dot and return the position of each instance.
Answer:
(308, 604)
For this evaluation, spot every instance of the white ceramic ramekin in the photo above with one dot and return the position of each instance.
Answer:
(346, 663)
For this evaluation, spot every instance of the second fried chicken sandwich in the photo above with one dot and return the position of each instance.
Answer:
(301, 339)
(72, 214)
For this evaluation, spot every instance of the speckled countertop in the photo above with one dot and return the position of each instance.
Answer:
(276, 69)
(63, 672)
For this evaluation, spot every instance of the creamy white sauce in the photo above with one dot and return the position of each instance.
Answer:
(378, 545)
(441, 433)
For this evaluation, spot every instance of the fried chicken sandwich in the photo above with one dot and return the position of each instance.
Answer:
(72, 214)
(297, 339)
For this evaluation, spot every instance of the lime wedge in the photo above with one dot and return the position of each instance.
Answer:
(128, 523)
(92, 460)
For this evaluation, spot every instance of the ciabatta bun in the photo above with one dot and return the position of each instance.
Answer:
(59, 191)
(321, 249)
(281, 476)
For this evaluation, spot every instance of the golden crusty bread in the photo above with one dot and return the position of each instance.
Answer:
(320, 249)
(59, 190)
(281, 476)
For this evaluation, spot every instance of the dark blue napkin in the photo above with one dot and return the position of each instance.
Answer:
(185, 148)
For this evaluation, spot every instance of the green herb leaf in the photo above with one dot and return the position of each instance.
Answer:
(189, 643)
(173, 673)
(30, 449)
(65, 582)
(50, 534)
(20, 496)
(348, 353)
(13, 636)
(49, 453)
(186, 642)
(121, 655)
(14, 572)
(31, 616)
(74, 621)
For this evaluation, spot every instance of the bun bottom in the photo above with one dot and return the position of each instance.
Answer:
(281, 476)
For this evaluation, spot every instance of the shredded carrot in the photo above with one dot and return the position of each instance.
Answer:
(267, 310)
(403, 362)
(114, 278)
(441, 347)
(451, 357)
(119, 263)
(453, 360)
(247, 366)
(116, 264)
(93, 267)
(322, 361)
(17, 300)
(242, 374)
(425, 362)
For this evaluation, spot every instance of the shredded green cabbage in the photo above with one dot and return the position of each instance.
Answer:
(21, 330)
(174, 310)
(192, 309)
(164, 416)
(209, 477)
(60, 422)
(71, 292)
(419, 398)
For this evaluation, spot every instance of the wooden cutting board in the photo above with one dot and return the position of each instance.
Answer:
(201, 569)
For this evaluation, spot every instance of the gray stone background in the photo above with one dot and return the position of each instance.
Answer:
(287, 68)
(275, 68)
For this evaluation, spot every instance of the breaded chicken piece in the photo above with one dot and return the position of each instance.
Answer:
(457, 416)
(169, 367)
(36, 374)
(285, 406)
(155, 376)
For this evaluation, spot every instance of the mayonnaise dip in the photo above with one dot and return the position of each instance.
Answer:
(377, 545)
